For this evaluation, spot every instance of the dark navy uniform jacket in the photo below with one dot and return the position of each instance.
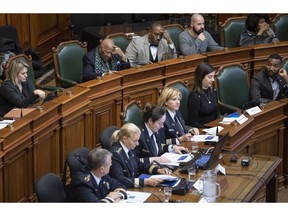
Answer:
(87, 190)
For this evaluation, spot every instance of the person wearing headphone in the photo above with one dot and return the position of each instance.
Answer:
(203, 99)
(271, 82)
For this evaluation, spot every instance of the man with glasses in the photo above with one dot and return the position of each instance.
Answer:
(153, 47)
(271, 82)
(105, 58)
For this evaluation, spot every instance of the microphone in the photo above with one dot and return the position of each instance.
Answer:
(21, 112)
(51, 95)
(139, 186)
(249, 104)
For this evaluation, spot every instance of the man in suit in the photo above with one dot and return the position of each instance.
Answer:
(93, 183)
(153, 47)
(106, 57)
(271, 82)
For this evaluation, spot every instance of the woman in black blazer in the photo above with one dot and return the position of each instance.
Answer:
(174, 125)
(152, 141)
(126, 166)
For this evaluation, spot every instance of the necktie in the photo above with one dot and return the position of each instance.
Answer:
(178, 124)
(130, 154)
(153, 146)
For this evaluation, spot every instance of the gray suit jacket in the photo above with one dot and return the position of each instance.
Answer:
(138, 51)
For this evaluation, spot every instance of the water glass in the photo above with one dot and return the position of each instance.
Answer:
(191, 174)
(167, 193)
(263, 103)
(195, 147)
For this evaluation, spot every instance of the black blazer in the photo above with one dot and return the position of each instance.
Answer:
(87, 190)
(11, 97)
(143, 150)
(126, 170)
(172, 130)
(261, 87)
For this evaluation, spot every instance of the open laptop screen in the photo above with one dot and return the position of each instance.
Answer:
(207, 160)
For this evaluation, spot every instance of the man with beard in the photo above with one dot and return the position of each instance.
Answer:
(195, 39)
(271, 82)
(153, 47)
(107, 57)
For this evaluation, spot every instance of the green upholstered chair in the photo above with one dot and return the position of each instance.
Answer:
(280, 27)
(132, 113)
(174, 30)
(230, 31)
(285, 63)
(68, 62)
(121, 40)
(183, 88)
(232, 84)
(30, 72)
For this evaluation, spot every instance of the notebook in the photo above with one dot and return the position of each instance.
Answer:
(205, 161)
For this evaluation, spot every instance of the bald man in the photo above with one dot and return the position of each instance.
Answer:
(195, 39)
(106, 57)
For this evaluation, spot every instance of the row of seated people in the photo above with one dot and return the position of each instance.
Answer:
(158, 45)
(134, 149)
(108, 57)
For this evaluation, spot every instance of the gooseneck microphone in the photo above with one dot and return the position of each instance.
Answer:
(139, 186)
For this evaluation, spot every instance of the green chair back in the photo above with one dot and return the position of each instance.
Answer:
(121, 40)
(230, 31)
(132, 113)
(185, 94)
(232, 86)
(285, 63)
(174, 30)
(280, 26)
(68, 63)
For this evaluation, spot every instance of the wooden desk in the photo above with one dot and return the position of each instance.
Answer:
(261, 52)
(269, 128)
(45, 129)
(142, 83)
(240, 184)
(231, 55)
(106, 105)
(17, 159)
(182, 68)
(75, 123)
(239, 135)
(285, 150)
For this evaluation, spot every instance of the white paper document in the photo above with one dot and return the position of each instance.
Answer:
(136, 197)
(177, 158)
(254, 110)
(205, 138)
(165, 177)
(213, 130)
(4, 123)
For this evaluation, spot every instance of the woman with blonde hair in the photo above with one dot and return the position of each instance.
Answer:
(126, 166)
(174, 125)
(17, 90)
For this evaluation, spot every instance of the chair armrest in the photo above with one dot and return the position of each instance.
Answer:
(229, 107)
(68, 81)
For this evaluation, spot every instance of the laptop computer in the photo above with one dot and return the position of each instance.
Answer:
(205, 161)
